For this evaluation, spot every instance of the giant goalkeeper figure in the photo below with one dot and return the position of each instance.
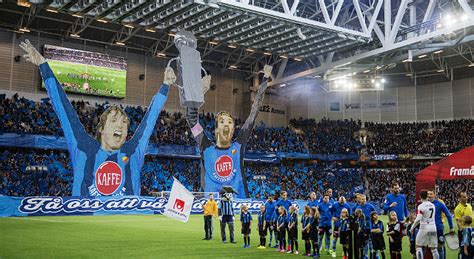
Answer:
(107, 165)
(222, 162)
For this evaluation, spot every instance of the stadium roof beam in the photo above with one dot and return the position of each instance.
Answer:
(399, 45)
(28, 16)
(125, 10)
(394, 37)
(141, 14)
(288, 17)
(182, 18)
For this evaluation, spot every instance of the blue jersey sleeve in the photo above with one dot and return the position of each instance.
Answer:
(70, 123)
(372, 208)
(386, 205)
(145, 129)
(448, 215)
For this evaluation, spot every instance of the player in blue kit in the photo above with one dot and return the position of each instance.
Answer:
(107, 165)
(397, 202)
(440, 208)
(329, 193)
(325, 223)
(313, 202)
(270, 219)
(222, 162)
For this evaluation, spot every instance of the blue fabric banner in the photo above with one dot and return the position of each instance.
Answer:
(108, 205)
(103, 205)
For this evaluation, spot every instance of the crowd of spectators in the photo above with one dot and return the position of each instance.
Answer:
(21, 115)
(49, 173)
(39, 172)
(24, 116)
(329, 136)
(420, 138)
(301, 178)
(158, 173)
(35, 173)
(276, 139)
(448, 190)
(378, 182)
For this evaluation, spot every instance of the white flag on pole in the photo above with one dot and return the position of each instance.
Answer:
(179, 203)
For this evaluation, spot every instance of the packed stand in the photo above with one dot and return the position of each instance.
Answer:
(301, 178)
(420, 138)
(329, 136)
(24, 116)
(448, 190)
(49, 173)
(35, 173)
(158, 173)
(21, 115)
(276, 139)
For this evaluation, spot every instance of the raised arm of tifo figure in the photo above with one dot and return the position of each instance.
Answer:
(249, 123)
(70, 123)
(107, 164)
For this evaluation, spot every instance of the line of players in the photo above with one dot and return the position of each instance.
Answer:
(325, 217)
(322, 219)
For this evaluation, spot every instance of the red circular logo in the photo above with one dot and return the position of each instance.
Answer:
(224, 166)
(108, 177)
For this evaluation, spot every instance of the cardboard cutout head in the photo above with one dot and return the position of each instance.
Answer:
(112, 129)
(225, 127)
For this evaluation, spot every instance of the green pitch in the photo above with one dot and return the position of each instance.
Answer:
(129, 236)
(104, 81)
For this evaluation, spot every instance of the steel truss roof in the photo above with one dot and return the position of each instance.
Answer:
(246, 34)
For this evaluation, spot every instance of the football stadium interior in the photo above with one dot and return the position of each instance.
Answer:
(236, 128)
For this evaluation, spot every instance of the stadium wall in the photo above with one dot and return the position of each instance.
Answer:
(440, 101)
(23, 78)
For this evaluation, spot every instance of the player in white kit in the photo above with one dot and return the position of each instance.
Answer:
(427, 234)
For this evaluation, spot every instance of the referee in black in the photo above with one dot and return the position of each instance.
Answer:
(226, 216)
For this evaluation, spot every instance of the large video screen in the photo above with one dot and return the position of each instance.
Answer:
(88, 72)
